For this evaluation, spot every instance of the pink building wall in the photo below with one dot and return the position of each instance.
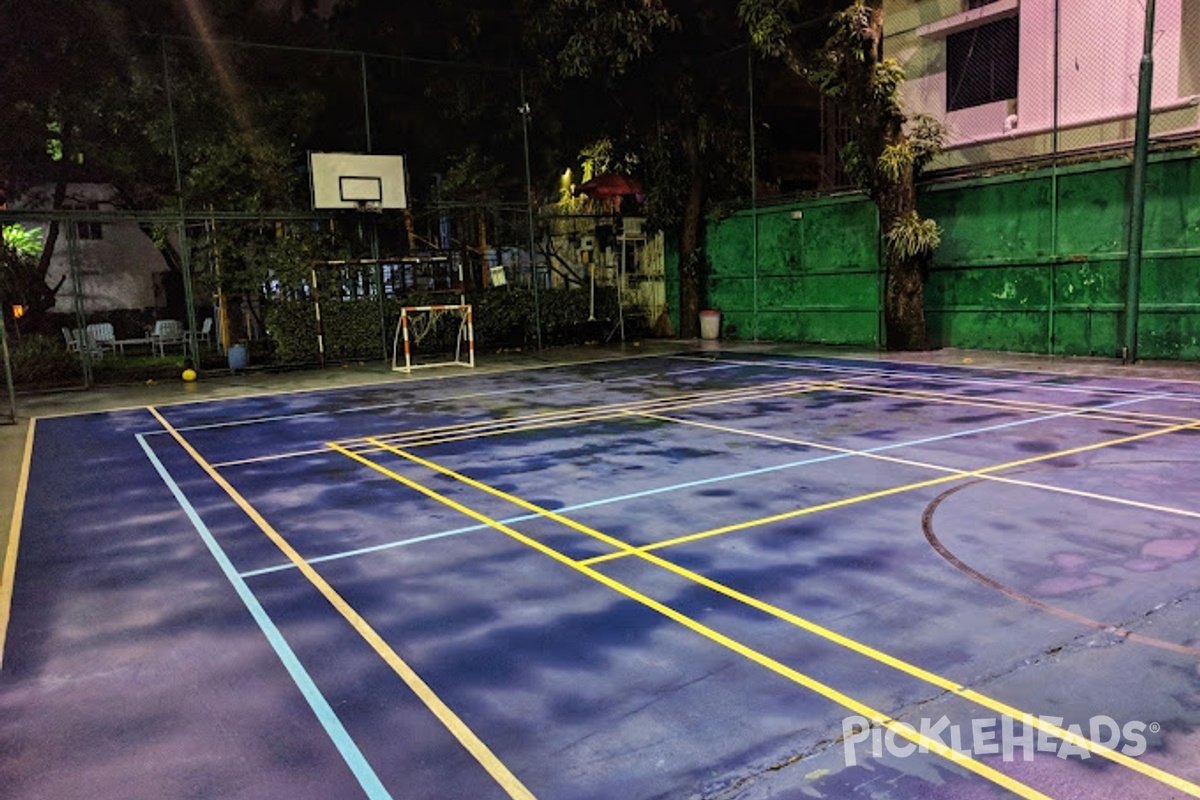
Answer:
(1098, 53)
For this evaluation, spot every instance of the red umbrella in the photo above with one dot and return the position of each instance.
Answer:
(612, 184)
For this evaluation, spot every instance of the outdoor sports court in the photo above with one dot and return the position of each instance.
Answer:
(708, 575)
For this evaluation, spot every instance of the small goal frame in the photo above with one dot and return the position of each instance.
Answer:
(408, 335)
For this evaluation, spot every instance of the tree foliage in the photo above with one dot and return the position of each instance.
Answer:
(886, 151)
(98, 95)
(665, 83)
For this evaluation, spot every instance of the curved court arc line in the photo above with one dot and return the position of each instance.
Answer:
(1162, 776)
(942, 550)
(983, 471)
(836, 453)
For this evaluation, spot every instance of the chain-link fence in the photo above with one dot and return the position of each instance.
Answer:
(173, 223)
(177, 187)
(1052, 80)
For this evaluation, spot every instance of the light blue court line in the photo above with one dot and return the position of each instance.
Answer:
(328, 718)
(693, 484)
(468, 396)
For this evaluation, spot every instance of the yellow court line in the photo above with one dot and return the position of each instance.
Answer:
(466, 737)
(619, 413)
(551, 419)
(1083, 412)
(544, 420)
(8, 578)
(869, 372)
(559, 418)
(588, 414)
(800, 512)
(779, 668)
(909, 462)
(585, 410)
(805, 624)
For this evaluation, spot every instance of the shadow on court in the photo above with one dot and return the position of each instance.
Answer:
(695, 575)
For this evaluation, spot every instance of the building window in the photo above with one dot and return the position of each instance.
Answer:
(981, 64)
(87, 230)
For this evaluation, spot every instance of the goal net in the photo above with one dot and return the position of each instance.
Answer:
(433, 336)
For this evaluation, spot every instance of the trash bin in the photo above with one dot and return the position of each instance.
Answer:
(238, 357)
(710, 324)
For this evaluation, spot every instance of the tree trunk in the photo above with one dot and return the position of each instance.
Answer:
(691, 270)
(904, 288)
(57, 201)
(904, 305)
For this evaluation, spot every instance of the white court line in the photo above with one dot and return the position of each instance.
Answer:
(952, 379)
(351, 754)
(705, 482)
(450, 398)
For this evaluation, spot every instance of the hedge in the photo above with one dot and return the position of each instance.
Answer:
(503, 318)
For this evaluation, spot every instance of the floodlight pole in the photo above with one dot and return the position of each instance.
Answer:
(362, 62)
(75, 263)
(523, 110)
(1137, 207)
(184, 257)
(753, 182)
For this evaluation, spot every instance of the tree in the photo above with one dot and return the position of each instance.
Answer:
(66, 121)
(886, 151)
(21, 282)
(665, 83)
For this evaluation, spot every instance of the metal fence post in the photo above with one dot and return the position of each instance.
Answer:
(1137, 208)
(523, 109)
(76, 268)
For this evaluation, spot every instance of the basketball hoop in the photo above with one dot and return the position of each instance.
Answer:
(369, 206)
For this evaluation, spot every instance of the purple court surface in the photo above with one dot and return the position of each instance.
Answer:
(702, 575)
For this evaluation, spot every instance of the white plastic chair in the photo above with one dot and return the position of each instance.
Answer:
(71, 340)
(205, 332)
(166, 332)
(101, 336)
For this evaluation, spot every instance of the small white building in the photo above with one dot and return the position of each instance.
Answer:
(1002, 75)
(121, 268)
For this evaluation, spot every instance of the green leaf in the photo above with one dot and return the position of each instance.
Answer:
(913, 237)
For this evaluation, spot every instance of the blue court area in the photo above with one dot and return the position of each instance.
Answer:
(699, 576)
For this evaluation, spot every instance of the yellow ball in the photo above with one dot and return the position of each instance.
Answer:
(189, 375)
(968, 361)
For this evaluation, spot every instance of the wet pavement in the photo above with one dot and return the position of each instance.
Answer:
(719, 572)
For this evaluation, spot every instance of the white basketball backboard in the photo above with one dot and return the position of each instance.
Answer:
(349, 180)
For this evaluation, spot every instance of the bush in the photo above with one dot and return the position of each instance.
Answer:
(503, 319)
(40, 361)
